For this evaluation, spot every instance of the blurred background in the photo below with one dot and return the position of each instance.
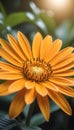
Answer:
(53, 17)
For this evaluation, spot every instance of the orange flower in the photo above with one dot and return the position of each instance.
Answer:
(38, 74)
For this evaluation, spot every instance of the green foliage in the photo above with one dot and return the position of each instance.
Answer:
(39, 119)
(36, 120)
(49, 22)
(31, 128)
(16, 18)
(40, 19)
(8, 124)
(66, 32)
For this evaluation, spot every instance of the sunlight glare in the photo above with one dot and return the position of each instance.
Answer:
(59, 3)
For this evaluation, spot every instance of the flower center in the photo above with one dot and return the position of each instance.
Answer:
(37, 70)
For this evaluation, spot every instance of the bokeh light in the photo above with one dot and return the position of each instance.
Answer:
(59, 4)
(62, 9)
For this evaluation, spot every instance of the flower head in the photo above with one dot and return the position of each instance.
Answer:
(38, 73)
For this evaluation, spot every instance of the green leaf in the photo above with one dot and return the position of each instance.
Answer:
(53, 107)
(7, 124)
(66, 32)
(39, 119)
(16, 18)
(31, 128)
(48, 21)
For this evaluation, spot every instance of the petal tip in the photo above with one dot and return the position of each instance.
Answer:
(9, 36)
(70, 112)
(19, 33)
(38, 34)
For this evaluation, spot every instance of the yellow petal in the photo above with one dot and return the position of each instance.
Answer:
(9, 50)
(50, 85)
(9, 58)
(44, 106)
(60, 101)
(45, 46)
(15, 45)
(61, 55)
(64, 62)
(10, 68)
(67, 67)
(36, 45)
(17, 105)
(2, 71)
(71, 80)
(10, 76)
(4, 88)
(30, 96)
(40, 89)
(56, 46)
(29, 84)
(64, 73)
(61, 81)
(24, 44)
(66, 90)
(17, 85)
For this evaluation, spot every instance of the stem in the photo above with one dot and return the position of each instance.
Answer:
(30, 114)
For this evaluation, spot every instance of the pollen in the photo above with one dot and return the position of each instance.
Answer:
(37, 70)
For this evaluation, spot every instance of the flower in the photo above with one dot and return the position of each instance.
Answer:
(41, 73)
